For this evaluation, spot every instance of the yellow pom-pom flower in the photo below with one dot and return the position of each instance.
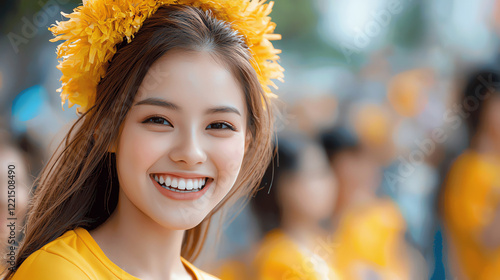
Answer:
(93, 31)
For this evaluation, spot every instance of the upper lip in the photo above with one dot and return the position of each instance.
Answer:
(182, 175)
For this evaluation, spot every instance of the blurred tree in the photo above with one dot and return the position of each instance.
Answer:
(12, 12)
(409, 28)
(297, 22)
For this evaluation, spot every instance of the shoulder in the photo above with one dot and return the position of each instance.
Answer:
(44, 265)
(59, 259)
(466, 163)
(277, 249)
(468, 172)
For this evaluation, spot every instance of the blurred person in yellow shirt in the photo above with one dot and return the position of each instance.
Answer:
(369, 230)
(298, 194)
(471, 198)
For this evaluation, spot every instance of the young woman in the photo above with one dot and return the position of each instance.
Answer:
(178, 123)
(471, 196)
(299, 194)
(385, 254)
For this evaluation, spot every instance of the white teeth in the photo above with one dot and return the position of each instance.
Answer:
(189, 184)
(182, 184)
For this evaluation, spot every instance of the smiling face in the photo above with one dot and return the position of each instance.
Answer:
(182, 143)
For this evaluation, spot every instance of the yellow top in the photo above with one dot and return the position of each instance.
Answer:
(472, 193)
(75, 255)
(279, 257)
(231, 269)
(370, 240)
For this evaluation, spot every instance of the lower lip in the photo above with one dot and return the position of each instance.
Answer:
(182, 196)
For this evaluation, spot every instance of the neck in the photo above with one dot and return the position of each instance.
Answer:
(301, 230)
(139, 245)
(485, 144)
(359, 196)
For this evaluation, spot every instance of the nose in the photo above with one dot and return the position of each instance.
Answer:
(188, 149)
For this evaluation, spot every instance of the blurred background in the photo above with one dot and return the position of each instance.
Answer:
(388, 139)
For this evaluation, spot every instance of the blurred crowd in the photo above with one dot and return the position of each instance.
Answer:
(345, 202)
(387, 161)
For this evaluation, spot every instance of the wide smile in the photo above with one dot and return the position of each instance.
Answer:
(181, 188)
(178, 184)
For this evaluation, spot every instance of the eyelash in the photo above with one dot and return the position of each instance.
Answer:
(148, 120)
(151, 120)
(229, 126)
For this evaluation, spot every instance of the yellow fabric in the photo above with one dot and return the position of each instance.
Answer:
(233, 270)
(472, 192)
(279, 257)
(370, 240)
(76, 256)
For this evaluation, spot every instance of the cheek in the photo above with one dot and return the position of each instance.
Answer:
(227, 155)
(319, 191)
(137, 151)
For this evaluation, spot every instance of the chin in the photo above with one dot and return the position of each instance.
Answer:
(182, 223)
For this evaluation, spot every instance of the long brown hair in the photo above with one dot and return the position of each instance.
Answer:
(79, 186)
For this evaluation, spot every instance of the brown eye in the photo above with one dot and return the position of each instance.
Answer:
(220, 125)
(157, 120)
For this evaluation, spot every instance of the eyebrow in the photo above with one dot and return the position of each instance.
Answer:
(169, 105)
(223, 109)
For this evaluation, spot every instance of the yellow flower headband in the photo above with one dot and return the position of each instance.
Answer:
(94, 29)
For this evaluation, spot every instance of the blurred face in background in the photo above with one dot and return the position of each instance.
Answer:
(310, 192)
(357, 172)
